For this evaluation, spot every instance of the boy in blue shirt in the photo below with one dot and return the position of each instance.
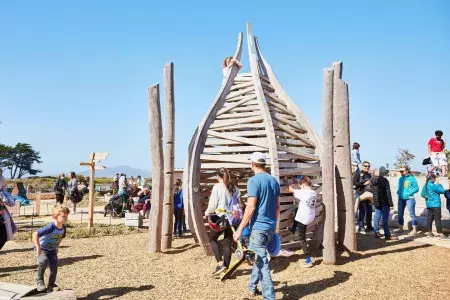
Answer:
(46, 242)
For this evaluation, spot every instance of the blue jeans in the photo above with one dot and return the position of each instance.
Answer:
(365, 213)
(382, 212)
(259, 239)
(411, 203)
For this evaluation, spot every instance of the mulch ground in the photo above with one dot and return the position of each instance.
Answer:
(119, 267)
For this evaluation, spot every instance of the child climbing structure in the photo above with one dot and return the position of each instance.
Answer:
(252, 112)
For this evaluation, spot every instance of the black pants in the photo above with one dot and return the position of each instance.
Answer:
(178, 224)
(3, 235)
(434, 213)
(59, 198)
(302, 235)
(365, 213)
(226, 243)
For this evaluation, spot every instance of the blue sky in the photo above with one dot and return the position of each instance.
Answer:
(74, 74)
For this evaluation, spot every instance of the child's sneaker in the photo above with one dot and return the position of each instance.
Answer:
(41, 287)
(429, 235)
(53, 288)
(308, 263)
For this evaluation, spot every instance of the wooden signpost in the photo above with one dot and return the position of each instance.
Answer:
(95, 158)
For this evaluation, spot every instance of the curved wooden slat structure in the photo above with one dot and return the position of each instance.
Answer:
(251, 113)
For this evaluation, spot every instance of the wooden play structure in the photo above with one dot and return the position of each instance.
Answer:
(251, 112)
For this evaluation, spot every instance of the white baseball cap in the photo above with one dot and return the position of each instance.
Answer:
(258, 157)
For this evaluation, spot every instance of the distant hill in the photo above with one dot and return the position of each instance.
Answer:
(111, 171)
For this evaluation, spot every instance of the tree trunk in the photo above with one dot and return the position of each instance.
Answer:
(169, 101)
(157, 169)
(329, 238)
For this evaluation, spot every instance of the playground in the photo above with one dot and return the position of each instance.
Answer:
(97, 268)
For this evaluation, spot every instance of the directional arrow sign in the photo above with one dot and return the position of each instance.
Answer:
(100, 167)
(101, 154)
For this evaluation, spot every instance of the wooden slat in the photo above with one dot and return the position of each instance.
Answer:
(294, 133)
(290, 156)
(233, 137)
(233, 149)
(267, 86)
(298, 165)
(235, 115)
(301, 171)
(282, 116)
(235, 158)
(301, 152)
(226, 123)
(273, 97)
(239, 93)
(221, 142)
(245, 126)
(292, 142)
(282, 108)
(241, 86)
(294, 125)
(215, 166)
(234, 105)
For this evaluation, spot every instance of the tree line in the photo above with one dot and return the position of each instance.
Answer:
(19, 160)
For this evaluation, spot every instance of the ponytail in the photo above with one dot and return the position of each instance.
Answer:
(224, 174)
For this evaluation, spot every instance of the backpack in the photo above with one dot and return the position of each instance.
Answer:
(234, 206)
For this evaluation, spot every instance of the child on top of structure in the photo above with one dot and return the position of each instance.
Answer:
(46, 242)
(436, 148)
(306, 213)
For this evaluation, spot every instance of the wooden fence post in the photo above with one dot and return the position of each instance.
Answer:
(327, 161)
(344, 188)
(157, 169)
(91, 192)
(169, 133)
(38, 203)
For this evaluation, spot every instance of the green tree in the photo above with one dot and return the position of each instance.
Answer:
(22, 157)
(403, 158)
(5, 156)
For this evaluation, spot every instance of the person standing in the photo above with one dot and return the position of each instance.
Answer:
(116, 184)
(72, 191)
(140, 181)
(407, 187)
(262, 211)
(363, 196)
(178, 207)
(382, 201)
(355, 157)
(218, 201)
(7, 226)
(432, 192)
(60, 187)
(436, 148)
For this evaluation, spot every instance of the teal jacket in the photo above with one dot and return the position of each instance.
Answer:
(432, 194)
(407, 187)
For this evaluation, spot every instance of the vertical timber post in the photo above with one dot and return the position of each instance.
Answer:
(38, 203)
(91, 191)
(169, 133)
(341, 144)
(329, 238)
(157, 169)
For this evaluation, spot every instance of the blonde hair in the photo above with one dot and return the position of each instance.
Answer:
(306, 180)
(225, 61)
(60, 209)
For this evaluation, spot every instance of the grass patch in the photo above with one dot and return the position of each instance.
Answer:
(78, 231)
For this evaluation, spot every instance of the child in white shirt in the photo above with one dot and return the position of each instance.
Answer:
(305, 213)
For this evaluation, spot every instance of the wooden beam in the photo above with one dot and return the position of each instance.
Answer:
(225, 123)
(233, 137)
(241, 86)
(157, 169)
(293, 124)
(294, 133)
(329, 239)
(215, 166)
(169, 133)
(281, 108)
(234, 149)
(315, 171)
(235, 115)
(233, 158)
(221, 142)
(232, 95)
(301, 152)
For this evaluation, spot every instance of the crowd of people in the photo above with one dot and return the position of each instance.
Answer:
(372, 191)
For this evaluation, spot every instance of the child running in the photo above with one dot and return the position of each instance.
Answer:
(46, 242)
(305, 213)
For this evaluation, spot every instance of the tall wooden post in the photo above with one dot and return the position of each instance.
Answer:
(38, 203)
(327, 161)
(169, 133)
(157, 169)
(91, 192)
(344, 189)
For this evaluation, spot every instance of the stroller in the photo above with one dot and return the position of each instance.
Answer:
(118, 204)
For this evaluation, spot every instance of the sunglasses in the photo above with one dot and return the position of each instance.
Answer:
(366, 166)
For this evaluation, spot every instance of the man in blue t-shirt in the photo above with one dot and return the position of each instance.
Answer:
(262, 211)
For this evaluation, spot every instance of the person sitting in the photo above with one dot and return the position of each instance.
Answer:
(143, 202)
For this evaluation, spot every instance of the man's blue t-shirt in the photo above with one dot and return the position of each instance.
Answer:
(266, 189)
(50, 236)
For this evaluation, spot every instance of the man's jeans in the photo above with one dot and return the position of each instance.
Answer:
(411, 203)
(259, 239)
(47, 258)
(382, 213)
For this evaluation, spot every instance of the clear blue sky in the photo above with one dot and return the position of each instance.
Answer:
(74, 74)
